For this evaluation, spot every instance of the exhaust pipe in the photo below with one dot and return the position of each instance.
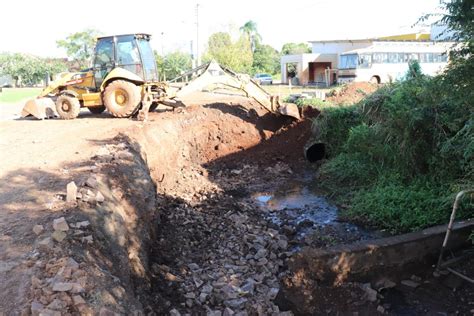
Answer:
(315, 151)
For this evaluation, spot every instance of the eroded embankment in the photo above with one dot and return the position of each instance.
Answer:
(213, 251)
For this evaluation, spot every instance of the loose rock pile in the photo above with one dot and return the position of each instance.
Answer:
(220, 257)
(60, 281)
(63, 285)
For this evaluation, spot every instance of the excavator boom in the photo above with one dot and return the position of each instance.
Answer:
(212, 75)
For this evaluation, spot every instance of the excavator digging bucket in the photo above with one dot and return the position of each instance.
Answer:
(40, 108)
(288, 109)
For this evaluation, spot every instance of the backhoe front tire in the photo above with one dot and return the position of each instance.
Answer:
(68, 107)
(96, 109)
(122, 98)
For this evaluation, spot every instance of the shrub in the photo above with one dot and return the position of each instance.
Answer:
(401, 154)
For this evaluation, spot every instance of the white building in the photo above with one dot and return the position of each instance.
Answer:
(323, 65)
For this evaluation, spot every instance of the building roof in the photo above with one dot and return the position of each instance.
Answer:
(418, 37)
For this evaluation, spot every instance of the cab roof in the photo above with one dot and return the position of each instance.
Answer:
(145, 35)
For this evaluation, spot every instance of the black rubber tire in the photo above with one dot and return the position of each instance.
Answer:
(68, 107)
(122, 98)
(96, 109)
(374, 80)
(153, 106)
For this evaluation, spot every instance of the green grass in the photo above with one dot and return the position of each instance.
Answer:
(14, 95)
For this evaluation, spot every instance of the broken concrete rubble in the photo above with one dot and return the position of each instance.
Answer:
(91, 182)
(99, 197)
(71, 192)
(38, 229)
(60, 224)
(58, 235)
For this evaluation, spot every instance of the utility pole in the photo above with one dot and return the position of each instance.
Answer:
(162, 44)
(198, 58)
(193, 57)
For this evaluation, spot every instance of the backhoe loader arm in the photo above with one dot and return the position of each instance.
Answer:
(212, 74)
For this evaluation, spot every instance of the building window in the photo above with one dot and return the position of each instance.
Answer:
(348, 61)
(365, 60)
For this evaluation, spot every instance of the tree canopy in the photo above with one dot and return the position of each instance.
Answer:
(295, 48)
(79, 46)
(172, 65)
(249, 29)
(234, 54)
(28, 69)
(266, 59)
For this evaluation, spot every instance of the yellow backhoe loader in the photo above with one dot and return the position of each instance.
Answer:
(123, 80)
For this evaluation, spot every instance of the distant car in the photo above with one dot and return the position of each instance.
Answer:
(263, 79)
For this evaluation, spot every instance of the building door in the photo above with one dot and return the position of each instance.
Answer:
(317, 72)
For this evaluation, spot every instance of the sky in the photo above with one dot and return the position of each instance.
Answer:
(32, 26)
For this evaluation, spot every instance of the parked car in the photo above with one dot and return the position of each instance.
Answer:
(263, 79)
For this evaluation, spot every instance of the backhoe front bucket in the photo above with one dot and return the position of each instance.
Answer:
(40, 108)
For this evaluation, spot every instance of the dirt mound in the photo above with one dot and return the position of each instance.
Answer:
(352, 93)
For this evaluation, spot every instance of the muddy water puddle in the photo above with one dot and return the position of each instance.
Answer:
(307, 217)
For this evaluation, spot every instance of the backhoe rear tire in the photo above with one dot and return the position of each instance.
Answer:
(122, 98)
(96, 109)
(68, 107)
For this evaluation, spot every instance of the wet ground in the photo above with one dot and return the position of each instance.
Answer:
(298, 207)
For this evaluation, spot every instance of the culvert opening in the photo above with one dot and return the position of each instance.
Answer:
(315, 152)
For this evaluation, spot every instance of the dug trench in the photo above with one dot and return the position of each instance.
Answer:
(233, 204)
(202, 212)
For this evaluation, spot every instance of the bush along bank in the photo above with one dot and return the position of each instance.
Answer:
(399, 156)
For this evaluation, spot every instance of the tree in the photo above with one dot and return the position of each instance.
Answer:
(295, 48)
(80, 46)
(29, 70)
(458, 19)
(172, 65)
(249, 29)
(236, 55)
(176, 63)
(266, 59)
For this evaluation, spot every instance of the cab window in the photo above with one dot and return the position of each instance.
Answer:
(104, 53)
(127, 51)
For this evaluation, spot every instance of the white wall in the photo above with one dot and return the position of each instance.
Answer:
(302, 61)
(290, 59)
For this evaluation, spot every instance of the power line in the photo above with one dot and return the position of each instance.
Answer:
(198, 58)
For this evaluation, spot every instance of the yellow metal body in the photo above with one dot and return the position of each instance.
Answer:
(82, 85)
(120, 73)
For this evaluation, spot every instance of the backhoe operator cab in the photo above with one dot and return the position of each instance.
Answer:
(123, 78)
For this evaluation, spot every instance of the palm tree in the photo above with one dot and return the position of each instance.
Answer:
(250, 30)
